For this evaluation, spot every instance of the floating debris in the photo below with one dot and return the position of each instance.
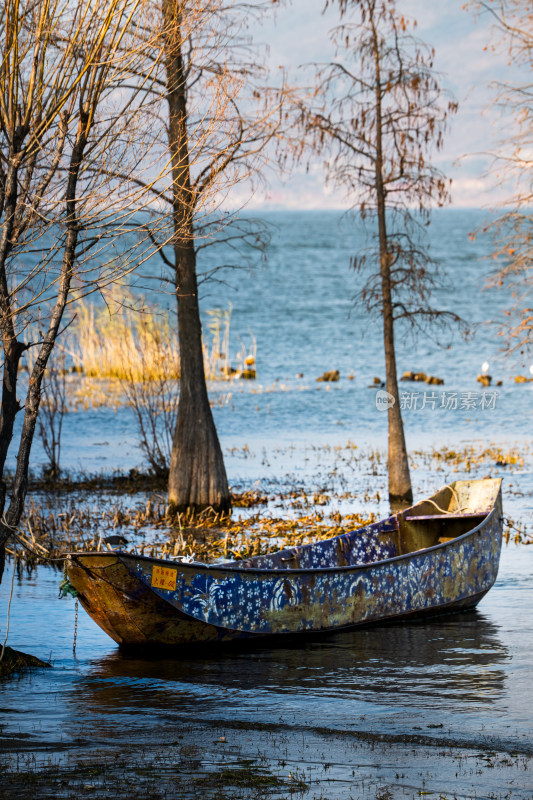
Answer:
(331, 376)
(422, 377)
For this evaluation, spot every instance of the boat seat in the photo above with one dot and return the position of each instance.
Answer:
(480, 514)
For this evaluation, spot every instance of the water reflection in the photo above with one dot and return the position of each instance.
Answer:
(452, 665)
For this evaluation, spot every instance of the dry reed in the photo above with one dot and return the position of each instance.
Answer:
(148, 531)
(121, 342)
(125, 344)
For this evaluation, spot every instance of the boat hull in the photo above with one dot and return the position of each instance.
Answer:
(140, 601)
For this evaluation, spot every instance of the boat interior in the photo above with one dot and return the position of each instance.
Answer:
(451, 512)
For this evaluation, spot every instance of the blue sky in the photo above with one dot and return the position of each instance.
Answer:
(469, 64)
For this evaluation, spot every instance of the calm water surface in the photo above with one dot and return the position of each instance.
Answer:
(299, 308)
(443, 707)
(451, 689)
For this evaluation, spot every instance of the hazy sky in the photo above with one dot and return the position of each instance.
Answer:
(468, 64)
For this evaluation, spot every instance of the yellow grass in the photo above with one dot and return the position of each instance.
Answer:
(124, 344)
(469, 457)
(142, 345)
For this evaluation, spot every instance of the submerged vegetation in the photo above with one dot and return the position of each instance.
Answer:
(158, 773)
(265, 518)
(52, 528)
(469, 457)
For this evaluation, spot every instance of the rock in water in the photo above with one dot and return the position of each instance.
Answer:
(331, 376)
(15, 661)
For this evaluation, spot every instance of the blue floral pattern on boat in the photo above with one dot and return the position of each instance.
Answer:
(362, 546)
(349, 580)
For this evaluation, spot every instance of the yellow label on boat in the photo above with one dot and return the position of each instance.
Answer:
(164, 578)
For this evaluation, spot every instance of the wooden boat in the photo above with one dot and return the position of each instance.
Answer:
(440, 555)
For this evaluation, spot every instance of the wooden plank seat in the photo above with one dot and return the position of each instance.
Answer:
(479, 514)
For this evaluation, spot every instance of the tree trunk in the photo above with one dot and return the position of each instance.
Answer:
(400, 489)
(197, 478)
(11, 517)
(12, 348)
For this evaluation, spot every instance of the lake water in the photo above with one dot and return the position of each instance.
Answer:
(298, 306)
(439, 709)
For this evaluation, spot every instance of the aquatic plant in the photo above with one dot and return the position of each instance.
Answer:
(124, 342)
(134, 341)
(51, 528)
(287, 514)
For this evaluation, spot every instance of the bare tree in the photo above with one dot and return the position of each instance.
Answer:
(513, 227)
(378, 109)
(209, 102)
(60, 73)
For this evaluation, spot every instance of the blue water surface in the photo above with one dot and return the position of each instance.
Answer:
(459, 682)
